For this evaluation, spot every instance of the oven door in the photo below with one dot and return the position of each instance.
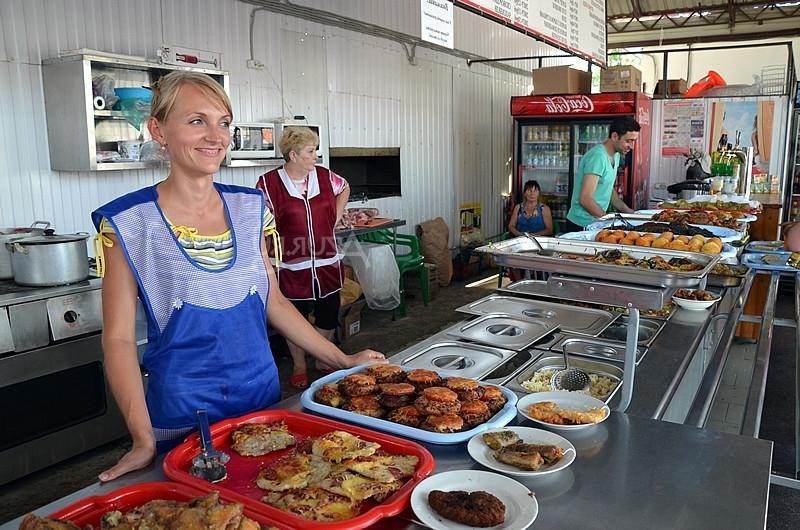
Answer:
(62, 406)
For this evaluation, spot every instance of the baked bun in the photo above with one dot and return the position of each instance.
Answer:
(386, 373)
(438, 400)
(442, 423)
(494, 398)
(365, 405)
(422, 378)
(474, 412)
(408, 415)
(465, 388)
(357, 385)
(394, 395)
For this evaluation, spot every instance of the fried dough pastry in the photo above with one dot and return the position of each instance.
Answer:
(255, 439)
(548, 412)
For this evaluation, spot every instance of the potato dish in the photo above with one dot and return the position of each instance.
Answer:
(667, 240)
(601, 385)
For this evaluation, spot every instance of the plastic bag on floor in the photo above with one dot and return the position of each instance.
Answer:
(376, 270)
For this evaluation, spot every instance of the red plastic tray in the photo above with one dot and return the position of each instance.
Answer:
(89, 510)
(240, 484)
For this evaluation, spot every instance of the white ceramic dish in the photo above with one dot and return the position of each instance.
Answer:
(694, 305)
(563, 400)
(484, 455)
(521, 505)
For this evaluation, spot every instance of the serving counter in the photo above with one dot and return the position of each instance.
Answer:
(631, 470)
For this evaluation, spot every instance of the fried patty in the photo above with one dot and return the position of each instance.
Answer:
(395, 395)
(365, 405)
(422, 378)
(494, 398)
(466, 389)
(444, 423)
(476, 508)
(357, 385)
(408, 415)
(386, 373)
(438, 400)
(474, 412)
(329, 395)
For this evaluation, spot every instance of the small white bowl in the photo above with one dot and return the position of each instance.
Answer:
(694, 305)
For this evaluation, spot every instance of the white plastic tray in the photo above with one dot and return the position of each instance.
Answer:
(500, 419)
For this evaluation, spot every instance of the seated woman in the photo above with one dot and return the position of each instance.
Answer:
(531, 217)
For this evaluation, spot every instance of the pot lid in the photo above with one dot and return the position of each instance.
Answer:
(21, 231)
(51, 239)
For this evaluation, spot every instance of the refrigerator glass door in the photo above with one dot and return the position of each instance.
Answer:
(545, 158)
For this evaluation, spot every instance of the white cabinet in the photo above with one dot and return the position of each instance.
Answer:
(76, 131)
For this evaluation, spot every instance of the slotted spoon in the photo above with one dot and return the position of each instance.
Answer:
(571, 379)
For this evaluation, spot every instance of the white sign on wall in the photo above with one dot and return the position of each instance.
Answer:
(437, 22)
(575, 26)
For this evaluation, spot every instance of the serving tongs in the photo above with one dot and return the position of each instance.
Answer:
(209, 464)
(625, 223)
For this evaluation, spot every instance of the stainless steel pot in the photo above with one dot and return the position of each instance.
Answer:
(690, 194)
(49, 259)
(8, 235)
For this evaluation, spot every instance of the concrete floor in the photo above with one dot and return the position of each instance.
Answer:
(380, 330)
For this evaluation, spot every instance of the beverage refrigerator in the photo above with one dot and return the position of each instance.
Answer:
(552, 132)
(792, 204)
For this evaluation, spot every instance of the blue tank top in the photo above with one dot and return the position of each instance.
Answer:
(533, 223)
(207, 333)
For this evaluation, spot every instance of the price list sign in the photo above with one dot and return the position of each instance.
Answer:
(575, 26)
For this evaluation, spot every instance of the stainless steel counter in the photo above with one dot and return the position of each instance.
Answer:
(630, 472)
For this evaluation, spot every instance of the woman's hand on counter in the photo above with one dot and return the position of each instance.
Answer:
(367, 356)
(137, 458)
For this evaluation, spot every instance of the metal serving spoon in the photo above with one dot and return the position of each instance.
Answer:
(209, 464)
(542, 251)
(571, 379)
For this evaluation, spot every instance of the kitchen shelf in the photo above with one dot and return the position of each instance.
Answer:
(76, 131)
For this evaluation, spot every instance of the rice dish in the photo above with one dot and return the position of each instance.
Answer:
(601, 385)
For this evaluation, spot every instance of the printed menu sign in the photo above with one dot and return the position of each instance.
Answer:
(575, 26)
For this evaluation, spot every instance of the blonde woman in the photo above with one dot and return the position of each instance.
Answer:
(193, 251)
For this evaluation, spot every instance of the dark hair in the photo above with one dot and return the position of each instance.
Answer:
(531, 184)
(623, 125)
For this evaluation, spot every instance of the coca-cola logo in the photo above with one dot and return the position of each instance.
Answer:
(568, 104)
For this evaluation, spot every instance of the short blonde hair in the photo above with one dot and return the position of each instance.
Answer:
(165, 92)
(295, 138)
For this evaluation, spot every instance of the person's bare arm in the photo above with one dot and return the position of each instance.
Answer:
(341, 203)
(547, 216)
(618, 203)
(512, 222)
(586, 199)
(285, 317)
(122, 362)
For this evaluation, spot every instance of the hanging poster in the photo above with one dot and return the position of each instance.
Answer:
(747, 122)
(684, 125)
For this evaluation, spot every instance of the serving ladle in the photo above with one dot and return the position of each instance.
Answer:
(571, 379)
(542, 251)
(209, 464)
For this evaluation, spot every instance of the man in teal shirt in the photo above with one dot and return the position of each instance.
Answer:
(593, 189)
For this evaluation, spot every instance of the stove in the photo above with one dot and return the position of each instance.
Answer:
(51, 368)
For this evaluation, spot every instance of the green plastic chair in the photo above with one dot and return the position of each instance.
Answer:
(408, 258)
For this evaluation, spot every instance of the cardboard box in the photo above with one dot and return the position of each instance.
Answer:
(561, 80)
(350, 319)
(675, 87)
(621, 79)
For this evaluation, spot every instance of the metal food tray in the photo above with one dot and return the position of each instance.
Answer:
(503, 330)
(556, 362)
(452, 358)
(573, 319)
(499, 419)
(521, 252)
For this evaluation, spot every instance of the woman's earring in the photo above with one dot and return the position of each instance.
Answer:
(163, 147)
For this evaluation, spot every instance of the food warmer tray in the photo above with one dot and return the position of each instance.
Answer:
(521, 252)
(605, 349)
(451, 358)
(727, 252)
(765, 247)
(500, 419)
(239, 485)
(573, 319)
(88, 512)
(725, 234)
(556, 362)
(503, 330)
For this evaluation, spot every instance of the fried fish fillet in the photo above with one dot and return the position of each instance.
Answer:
(500, 439)
(525, 460)
(255, 439)
(548, 412)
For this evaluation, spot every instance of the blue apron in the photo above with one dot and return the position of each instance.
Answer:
(207, 334)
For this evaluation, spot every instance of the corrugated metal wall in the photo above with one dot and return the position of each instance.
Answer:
(450, 121)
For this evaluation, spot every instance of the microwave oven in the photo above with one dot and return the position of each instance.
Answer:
(252, 141)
